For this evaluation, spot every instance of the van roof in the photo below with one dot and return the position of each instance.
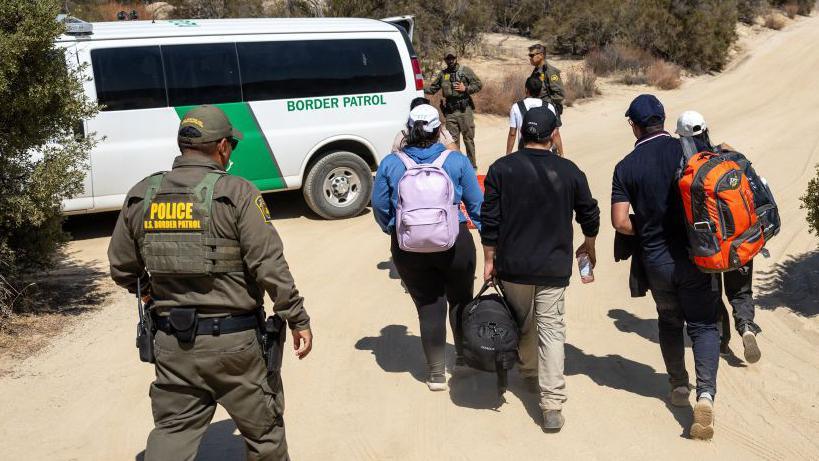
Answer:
(120, 30)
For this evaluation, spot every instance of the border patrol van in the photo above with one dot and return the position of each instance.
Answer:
(318, 100)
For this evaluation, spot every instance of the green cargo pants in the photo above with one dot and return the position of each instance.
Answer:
(463, 123)
(190, 380)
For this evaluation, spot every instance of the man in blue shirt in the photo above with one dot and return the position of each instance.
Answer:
(646, 181)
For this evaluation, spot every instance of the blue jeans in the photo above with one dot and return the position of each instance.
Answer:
(686, 296)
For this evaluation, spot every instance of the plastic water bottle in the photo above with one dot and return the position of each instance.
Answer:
(585, 266)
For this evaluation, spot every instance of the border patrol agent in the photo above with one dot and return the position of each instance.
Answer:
(458, 83)
(552, 91)
(202, 245)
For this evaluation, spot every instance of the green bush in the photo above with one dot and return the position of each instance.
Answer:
(42, 161)
(810, 202)
(804, 7)
(749, 10)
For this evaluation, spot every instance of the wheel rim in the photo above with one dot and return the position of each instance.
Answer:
(341, 187)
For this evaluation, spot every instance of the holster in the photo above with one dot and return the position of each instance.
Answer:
(184, 322)
(145, 340)
(274, 334)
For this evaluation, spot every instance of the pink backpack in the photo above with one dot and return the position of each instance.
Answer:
(426, 219)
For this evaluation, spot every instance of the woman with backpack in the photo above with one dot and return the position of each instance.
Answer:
(431, 246)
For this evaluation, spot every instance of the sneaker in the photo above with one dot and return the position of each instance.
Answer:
(680, 396)
(553, 420)
(437, 383)
(752, 352)
(703, 427)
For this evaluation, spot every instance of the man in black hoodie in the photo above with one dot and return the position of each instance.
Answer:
(527, 235)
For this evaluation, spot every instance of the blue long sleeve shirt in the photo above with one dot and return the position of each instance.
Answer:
(457, 166)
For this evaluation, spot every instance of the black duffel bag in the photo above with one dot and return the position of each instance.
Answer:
(490, 334)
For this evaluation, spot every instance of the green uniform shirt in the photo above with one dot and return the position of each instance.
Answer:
(239, 213)
(552, 84)
(444, 80)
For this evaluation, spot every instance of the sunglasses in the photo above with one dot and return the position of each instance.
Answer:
(233, 142)
(532, 55)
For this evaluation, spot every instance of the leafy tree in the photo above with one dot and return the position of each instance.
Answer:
(42, 161)
(810, 202)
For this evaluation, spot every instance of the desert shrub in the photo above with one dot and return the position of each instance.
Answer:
(42, 160)
(579, 85)
(803, 7)
(774, 21)
(617, 58)
(634, 77)
(517, 15)
(578, 27)
(96, 11)
(663, 75)
(791, 10)
(498, 95)
(749, 10)
(810, 202)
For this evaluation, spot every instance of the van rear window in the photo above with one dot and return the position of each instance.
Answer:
(129, 78)
(310, 68)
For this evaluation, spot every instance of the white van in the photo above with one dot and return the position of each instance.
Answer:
(318, 100)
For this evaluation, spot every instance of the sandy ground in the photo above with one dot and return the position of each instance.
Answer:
(359, 395)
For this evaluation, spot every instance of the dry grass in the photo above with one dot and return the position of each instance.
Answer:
(108, 11)
(663, 75)
(634, 66)
(497, 96)
(580, 85)
(774, 21)
(617, 58)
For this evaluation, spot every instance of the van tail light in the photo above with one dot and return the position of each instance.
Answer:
(419, 77)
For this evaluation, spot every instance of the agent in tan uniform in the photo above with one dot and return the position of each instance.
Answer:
(203, 247)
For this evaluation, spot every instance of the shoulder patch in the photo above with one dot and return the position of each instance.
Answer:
(555, 77)
(262, 206)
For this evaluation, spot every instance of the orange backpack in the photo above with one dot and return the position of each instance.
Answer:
(723, 231)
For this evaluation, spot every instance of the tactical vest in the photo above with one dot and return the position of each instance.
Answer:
(177, 239)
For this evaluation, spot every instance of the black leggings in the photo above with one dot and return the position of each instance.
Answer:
(432, 280)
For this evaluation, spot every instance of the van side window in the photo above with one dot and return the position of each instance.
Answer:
(129, 78)
(310, 68)
(202, 74)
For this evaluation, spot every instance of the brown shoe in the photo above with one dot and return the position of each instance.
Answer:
(703, 427)
(553, 420)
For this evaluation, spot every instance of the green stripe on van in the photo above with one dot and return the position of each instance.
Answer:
(253, 159)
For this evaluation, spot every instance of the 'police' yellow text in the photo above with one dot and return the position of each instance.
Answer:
(171, 216)
(181, 210)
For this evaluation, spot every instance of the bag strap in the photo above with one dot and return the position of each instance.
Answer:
(522, 108)
(406, 160)
(439, 162)
(204, 191)
(154, 182)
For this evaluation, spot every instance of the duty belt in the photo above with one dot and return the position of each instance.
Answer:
(214, 325)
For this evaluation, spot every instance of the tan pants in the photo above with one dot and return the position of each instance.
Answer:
(540, 310)
(190, 380)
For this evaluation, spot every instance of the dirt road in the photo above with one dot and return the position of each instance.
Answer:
(360, 395)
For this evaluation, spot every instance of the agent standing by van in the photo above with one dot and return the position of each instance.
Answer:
(549, 75)
(208, 283)
(432, 279)
(646, 180)
(531, 197)
(458, 83)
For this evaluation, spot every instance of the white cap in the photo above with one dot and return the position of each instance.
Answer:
(691, 123)
(425, 113)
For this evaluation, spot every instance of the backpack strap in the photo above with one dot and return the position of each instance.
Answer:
(154, 181)
(204, 191)
(522, 108)
(406, 160)
(439, 162)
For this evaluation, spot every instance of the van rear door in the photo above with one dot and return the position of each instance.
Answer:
(85, 199)
(405, 22)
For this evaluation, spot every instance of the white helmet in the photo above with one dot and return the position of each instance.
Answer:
(691, 123)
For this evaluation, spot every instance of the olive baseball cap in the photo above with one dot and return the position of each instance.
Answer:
(206, 124)
(450, 52)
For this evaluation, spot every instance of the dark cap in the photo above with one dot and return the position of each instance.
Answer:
(539, 123)
(205, 124)
(646, 110)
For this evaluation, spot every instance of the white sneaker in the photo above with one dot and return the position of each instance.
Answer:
(703, 427)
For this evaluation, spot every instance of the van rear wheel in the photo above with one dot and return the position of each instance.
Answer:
(338, 186)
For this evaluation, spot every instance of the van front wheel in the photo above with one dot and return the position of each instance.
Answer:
(338, 186)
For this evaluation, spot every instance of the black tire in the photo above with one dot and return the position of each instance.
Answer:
(336, 168)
